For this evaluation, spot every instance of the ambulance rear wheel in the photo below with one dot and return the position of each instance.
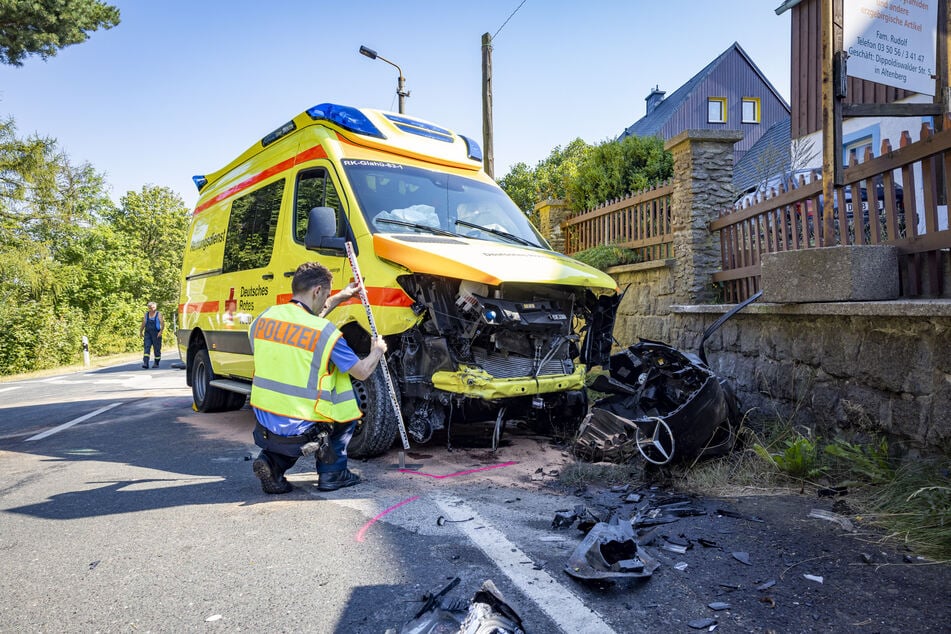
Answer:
(378, 428)
(209, 398)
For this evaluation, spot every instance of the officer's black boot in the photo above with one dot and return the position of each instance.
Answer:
(145, 361)
(269, 484)
(333, 480)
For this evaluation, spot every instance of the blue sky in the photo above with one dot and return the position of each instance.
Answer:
(182, 86)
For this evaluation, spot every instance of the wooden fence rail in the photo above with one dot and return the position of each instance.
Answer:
(876, 204)
(640, 221)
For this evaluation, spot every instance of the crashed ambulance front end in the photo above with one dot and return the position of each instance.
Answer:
(505, 326)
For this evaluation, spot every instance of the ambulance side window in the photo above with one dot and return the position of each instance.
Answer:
(251, 228)
(315, 189)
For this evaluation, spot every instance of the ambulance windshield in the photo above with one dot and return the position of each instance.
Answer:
(397, 198)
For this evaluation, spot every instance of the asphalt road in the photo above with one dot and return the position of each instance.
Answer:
(123, 510)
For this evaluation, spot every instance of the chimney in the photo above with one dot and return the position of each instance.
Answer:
(653, 100)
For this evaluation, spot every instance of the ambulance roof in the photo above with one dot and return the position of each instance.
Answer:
(386, 131)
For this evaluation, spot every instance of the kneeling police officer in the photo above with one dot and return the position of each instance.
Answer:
(301, 393)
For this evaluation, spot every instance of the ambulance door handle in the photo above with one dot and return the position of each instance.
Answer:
(288, 273)
(267, 276)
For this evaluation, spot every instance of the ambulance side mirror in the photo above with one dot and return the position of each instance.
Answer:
(322, 232)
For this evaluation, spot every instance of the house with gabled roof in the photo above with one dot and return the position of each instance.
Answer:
(730, 93)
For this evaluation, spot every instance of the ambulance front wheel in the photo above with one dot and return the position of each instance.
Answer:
(209, 398)
(378, 428)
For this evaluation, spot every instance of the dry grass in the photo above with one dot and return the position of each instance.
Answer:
(915, 507)
(580, 473)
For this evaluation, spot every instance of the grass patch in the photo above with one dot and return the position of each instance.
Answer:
(909, 501)
(915, 507)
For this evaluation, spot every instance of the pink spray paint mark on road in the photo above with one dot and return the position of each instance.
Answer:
(361, 534)
(459, 473)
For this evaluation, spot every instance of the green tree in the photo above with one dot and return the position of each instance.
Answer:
(155, 219)
(555, 173)
(46, 203)
(519, 184)
(614, 169)
(42, 27)
(549, 178)
(48, 208)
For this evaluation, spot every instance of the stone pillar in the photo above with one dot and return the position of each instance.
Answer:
(703, 186)
(550, 214)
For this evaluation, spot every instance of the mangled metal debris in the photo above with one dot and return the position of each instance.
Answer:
(486, 612)
(664, 404)
(610, 552)
(623, 545)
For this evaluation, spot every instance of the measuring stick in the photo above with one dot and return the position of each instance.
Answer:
(386, 370)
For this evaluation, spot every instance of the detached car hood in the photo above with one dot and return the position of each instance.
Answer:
(487, 262)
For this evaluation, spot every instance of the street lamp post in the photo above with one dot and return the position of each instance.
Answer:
(400, 86)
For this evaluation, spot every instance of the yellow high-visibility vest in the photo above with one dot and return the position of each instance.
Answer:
(293, 374)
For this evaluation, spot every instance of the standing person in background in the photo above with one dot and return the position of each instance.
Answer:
(151, 329)
(301, 393)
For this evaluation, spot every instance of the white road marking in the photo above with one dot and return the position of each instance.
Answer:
(50, 432)
(559, 603)
(9, 389)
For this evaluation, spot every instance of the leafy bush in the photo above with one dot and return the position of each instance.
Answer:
(798, 457)
(614, 169)
(605, 256)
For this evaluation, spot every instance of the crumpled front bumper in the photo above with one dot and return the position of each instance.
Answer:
(477, 383)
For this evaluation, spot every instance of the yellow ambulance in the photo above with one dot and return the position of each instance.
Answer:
(483, 320)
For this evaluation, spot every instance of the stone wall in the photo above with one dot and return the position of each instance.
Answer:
(648, 296)
(838, 368)
(550, 214)
(703, 186)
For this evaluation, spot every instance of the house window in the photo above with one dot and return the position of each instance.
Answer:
(716, 110)
(858, 141)
(857, 148)
(751, 112)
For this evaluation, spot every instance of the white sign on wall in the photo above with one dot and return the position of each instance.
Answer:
(892, 42)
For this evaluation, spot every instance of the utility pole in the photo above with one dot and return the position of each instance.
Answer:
(488, 153)
(831, 21)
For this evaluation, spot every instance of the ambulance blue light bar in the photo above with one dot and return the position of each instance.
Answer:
(414, 126)
(475, 152)
(200, 181)
(346, 117)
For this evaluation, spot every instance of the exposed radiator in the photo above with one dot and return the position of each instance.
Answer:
(509, 367)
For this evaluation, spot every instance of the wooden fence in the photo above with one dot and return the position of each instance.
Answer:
(640, 221)
(792, 218)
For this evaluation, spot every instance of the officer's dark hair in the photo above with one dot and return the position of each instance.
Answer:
(309, 275)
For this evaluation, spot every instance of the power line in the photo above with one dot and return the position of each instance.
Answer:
(508, 18)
